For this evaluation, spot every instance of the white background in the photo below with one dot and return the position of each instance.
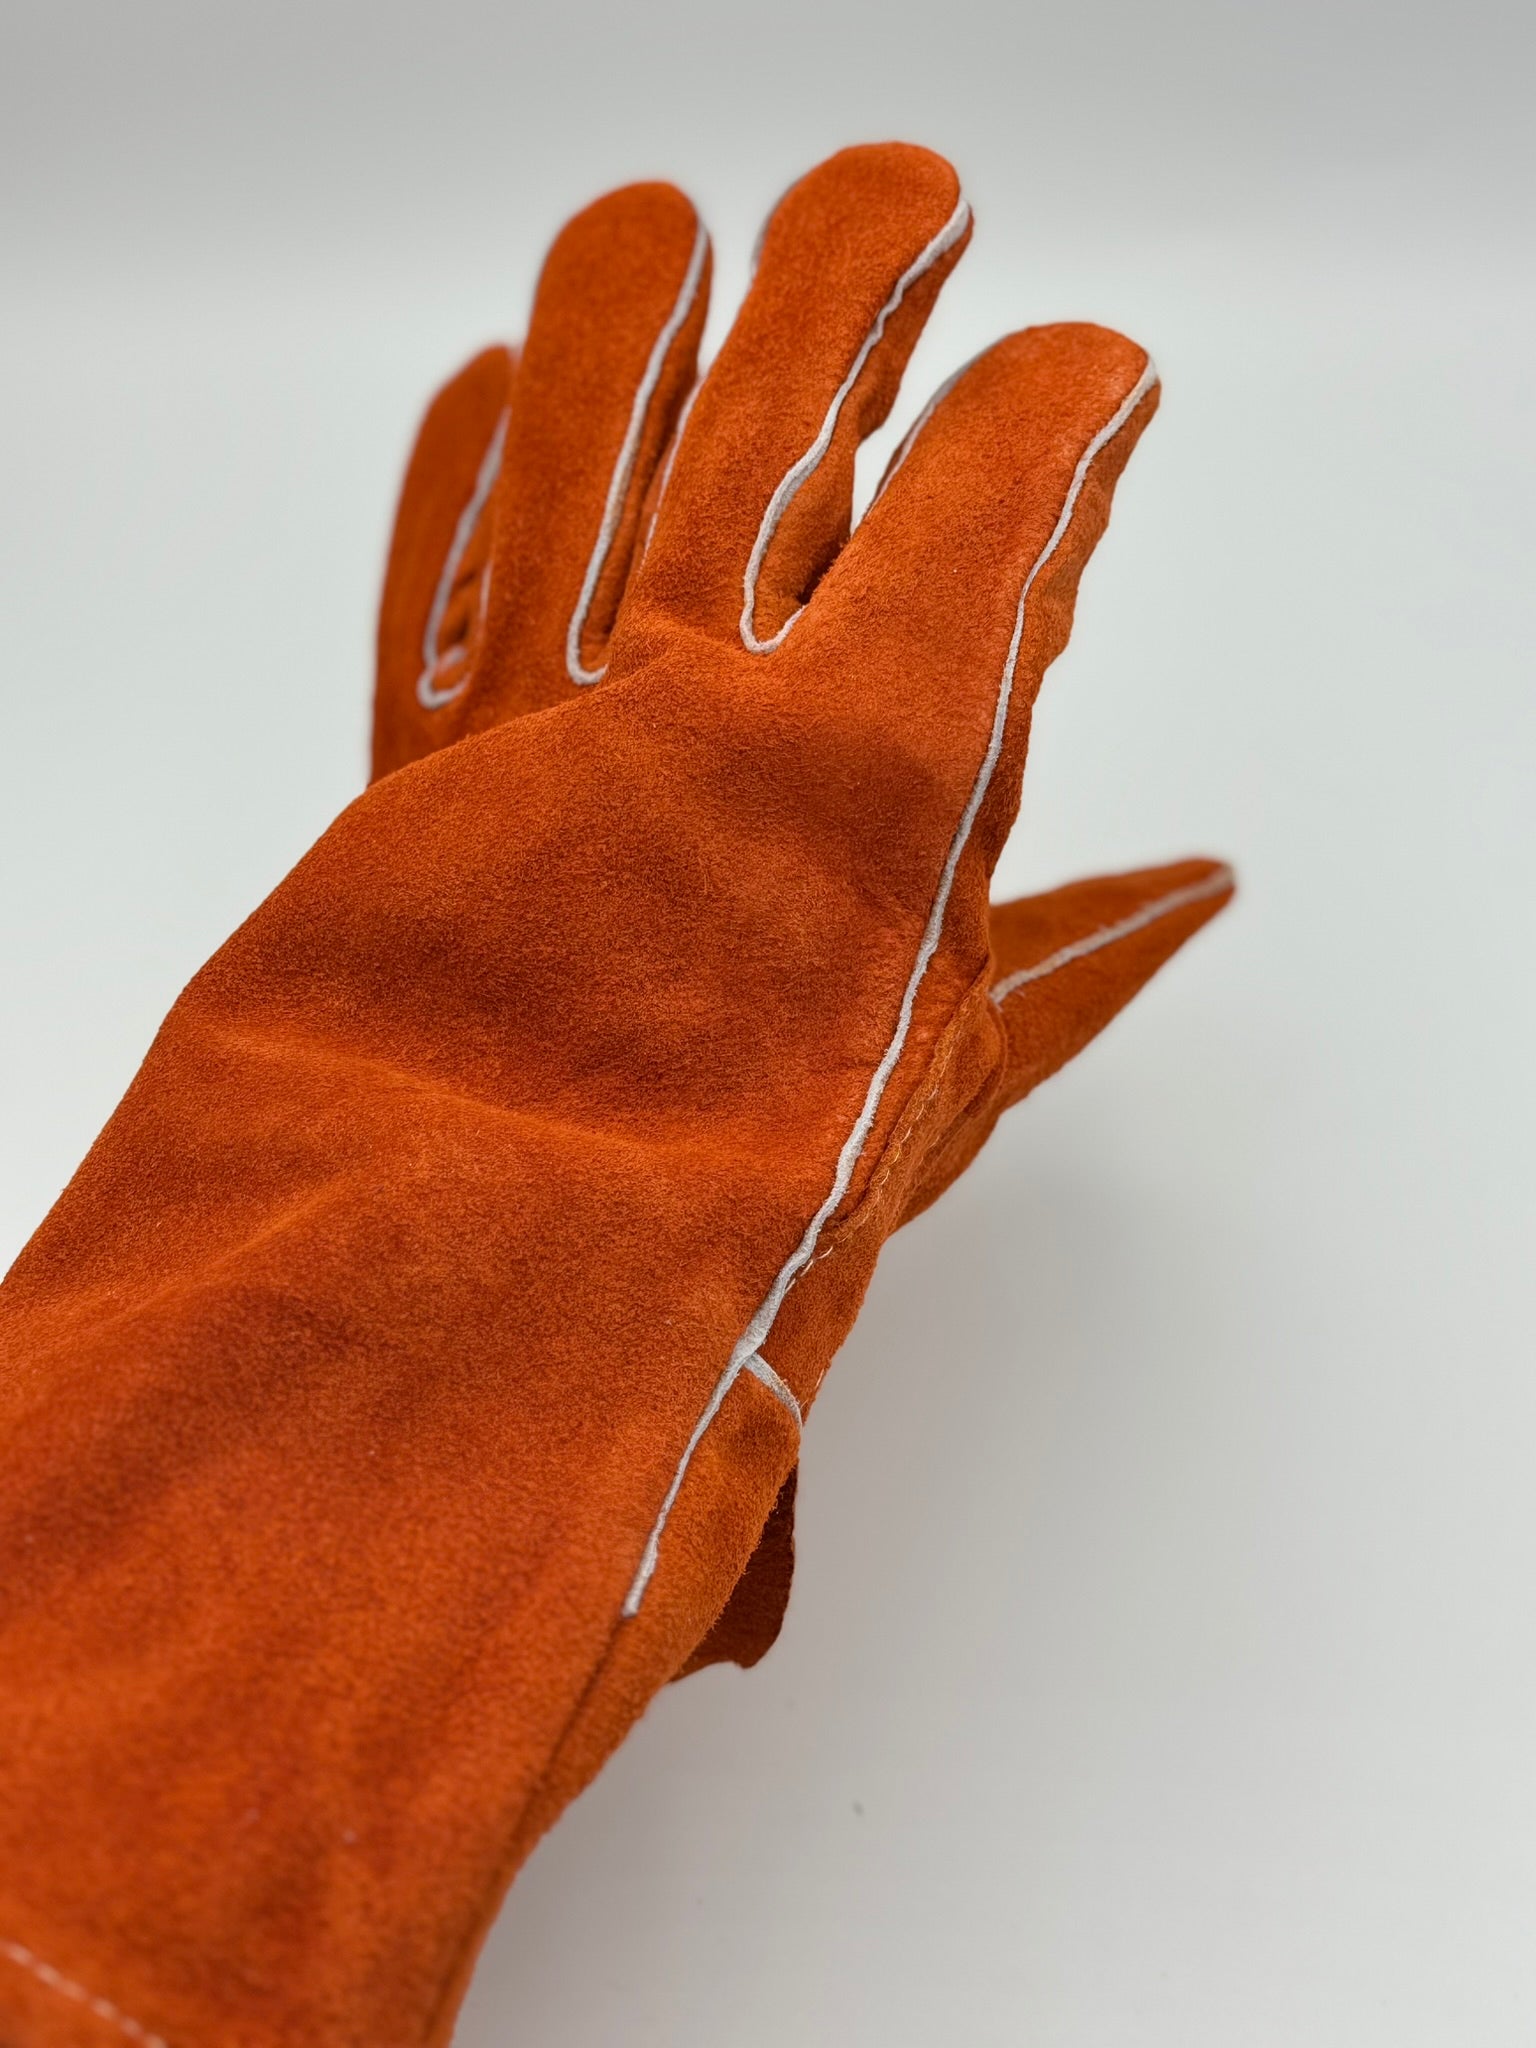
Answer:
(1161, 1666)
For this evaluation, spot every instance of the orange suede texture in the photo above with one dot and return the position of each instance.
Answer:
(398, 1394)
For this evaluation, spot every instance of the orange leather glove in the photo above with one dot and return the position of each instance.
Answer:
(398, 1391)
(559, 516)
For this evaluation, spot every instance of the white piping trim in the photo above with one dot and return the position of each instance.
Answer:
(428, 696)
(760, 1369)
(652, 1548)
(669, 465)
(66, 1987)
(810, 461)
(624, 468)
(756, 1332)
(781, 1391)
(1219, 884)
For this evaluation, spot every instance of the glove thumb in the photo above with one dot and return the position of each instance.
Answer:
(1063, 964)
(1066, 962)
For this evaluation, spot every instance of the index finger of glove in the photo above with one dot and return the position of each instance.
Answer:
(957, 590)
(759, 497)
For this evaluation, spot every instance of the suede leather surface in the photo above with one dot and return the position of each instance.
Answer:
(614, 276)
(374, 1431)
(578, 386)
(452, 443)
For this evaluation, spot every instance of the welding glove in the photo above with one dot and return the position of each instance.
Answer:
(559, 517)
(396, 1395)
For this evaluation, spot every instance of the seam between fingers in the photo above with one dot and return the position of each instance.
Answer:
(66, 1987)
(1218, 884)
(758, 1329)
(807, 465)
(624, 468)
(428, 695)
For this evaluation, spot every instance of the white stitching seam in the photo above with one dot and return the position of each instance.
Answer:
(810, 461)
(781, 1391)
(428, 695)
(66, 1987)
(752, 1362)
(624, 468)
(757, 1330)
(669, 464)
(1217, 884)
